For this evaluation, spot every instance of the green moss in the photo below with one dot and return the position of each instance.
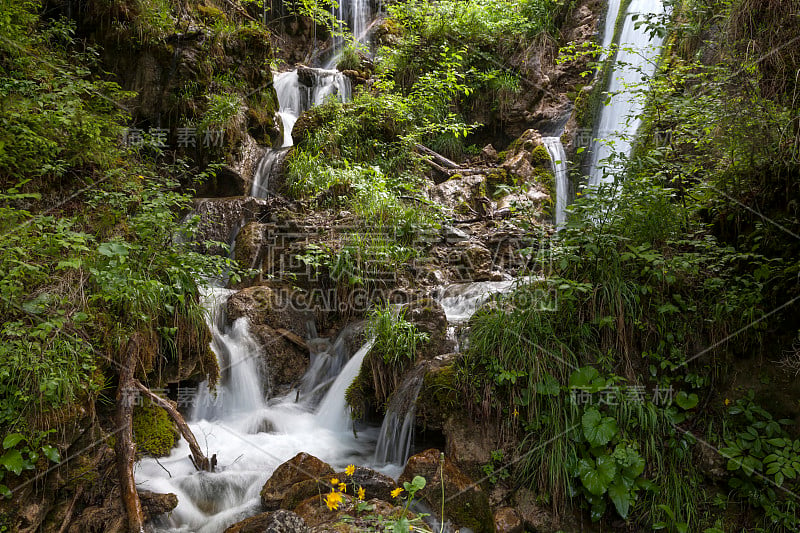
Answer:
(540, 157)
(358, 393)
(211, 14)
(439, 397)
(153, 430)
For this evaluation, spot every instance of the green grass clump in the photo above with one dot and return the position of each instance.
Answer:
(396, 339)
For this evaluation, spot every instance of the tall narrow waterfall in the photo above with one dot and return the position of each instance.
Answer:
(634, 63)
(558, 160)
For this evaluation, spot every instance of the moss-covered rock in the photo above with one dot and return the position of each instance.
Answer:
(439, 398)
(153, 430)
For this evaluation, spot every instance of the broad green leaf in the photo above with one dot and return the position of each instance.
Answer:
(596, 477)
(12, 439)
(620, 496)
(598, 429)
(686, 401)
(13, 461)
(583, 377)
(51, 452)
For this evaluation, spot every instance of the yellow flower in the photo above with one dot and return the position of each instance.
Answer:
(515, 413)
(361, 493)
(350, 469)
(334, 481)
(343, 487)
(396, 492)
(727, 401)
(332, 500)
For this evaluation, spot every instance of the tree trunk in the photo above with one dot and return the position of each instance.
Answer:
(200, 461)
(125, 447)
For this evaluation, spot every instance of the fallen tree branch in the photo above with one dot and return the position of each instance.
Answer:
(125, 448)
(199, 460)
(439, 158)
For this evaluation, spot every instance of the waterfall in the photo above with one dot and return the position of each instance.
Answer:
(267, 166)
(333, 412)
(634, 63)
(250, 435)
(396, 436)
(298, 91)
(239, 361)
(294, 98)
(397, 431)
(559, 163)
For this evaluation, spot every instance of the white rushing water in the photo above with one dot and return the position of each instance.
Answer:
(249, 434)
(634, 63)
(294, 98)
(396, 436)
(558, 159)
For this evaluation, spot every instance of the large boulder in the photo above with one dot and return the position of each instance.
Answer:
(280, 521)
(301, 467)
(271, 305)
(110, 516)
(465, 504)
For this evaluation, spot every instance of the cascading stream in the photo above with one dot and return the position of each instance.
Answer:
(634, 63)
(396, 436)
(250, 435)
(558, 160)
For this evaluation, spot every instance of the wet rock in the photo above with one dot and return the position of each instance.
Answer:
(221, 218)
(280, 521)
(472, 261)
(466, 505)
(469, 445)
(540, 518)
(301, 467)
(506, 520)
(286, 361)
(247, 250)
(375, 484)
(439, 398)
(323, 520)
(428, 316)
(489, 154)
(110, 516)
(522, 159)
(462, 194)
(268, 304)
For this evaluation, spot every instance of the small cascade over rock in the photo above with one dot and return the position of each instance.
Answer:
(298, 91)
(635, 61)
(333, 412)
(558, 160)
(267, 167)
(397, 431)
(239, 360)
(250, 435)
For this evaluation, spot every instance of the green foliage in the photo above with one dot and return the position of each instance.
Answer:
(350, 59)
(21, 453)
(496, 470)
(396, 339)
(764, 461)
